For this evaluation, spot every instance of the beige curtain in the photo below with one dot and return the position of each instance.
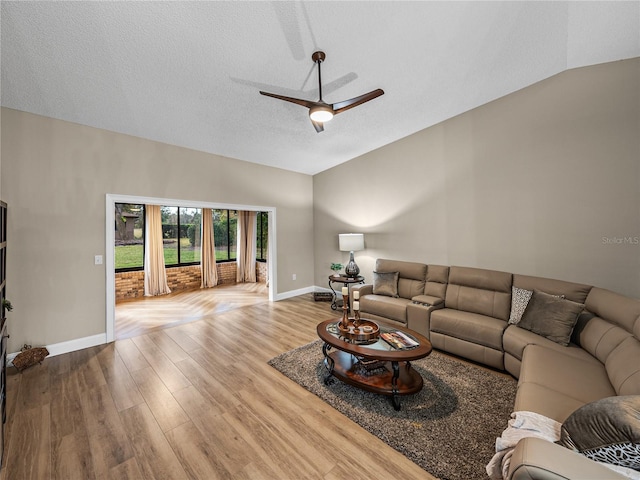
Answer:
(208, 262)
(246, 247)
(155, 275)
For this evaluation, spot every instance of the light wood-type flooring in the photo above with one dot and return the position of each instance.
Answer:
(148, 314)
(194, 400)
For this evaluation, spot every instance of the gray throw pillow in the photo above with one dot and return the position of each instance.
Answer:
(519, 300)
(607, 430)
(551, 317)
(386, 283)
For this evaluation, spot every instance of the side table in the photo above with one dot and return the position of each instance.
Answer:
(346, 281)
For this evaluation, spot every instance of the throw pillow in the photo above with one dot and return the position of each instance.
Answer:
(551, 317)
(519, 301)
(607, 430)
(385, 283)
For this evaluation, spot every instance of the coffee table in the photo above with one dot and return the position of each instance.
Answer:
(374, 366)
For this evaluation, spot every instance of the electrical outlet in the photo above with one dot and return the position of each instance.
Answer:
(97, 260)
(293, 277)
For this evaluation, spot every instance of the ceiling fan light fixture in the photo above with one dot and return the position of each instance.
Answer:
(321, 113)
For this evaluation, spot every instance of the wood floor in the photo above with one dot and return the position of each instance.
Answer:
(148, 314)
(195, 400)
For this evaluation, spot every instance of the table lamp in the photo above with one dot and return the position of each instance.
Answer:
(351, 242)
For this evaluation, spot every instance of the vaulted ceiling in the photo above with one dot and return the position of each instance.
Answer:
(188, 73)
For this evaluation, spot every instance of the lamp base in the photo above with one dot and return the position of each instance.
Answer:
(352, 270)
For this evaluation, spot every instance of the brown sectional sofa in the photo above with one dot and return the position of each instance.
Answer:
(466, 311)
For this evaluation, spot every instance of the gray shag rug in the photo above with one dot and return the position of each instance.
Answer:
(449, 428)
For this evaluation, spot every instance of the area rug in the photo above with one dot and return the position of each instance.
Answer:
(449, 428)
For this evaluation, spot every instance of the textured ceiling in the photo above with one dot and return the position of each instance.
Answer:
(188, 73)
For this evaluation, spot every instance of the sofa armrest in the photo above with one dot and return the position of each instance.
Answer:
(538, 459)
(366, 289)
(419, 313)
(428, 301)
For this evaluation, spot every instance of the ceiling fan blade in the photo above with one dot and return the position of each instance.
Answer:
(318, 126)
(299, 101)
(354, 102)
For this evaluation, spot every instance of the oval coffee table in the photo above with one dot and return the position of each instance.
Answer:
(376, 366)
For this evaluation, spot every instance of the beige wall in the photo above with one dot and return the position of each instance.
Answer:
(529, 183)
(55, 176)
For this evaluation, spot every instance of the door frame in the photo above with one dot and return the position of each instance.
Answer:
(112, 199)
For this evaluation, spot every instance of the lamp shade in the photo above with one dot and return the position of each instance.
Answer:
(351, 242)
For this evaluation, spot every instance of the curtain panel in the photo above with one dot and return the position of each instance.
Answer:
(155, 275)
(246, 247)
(208, 262)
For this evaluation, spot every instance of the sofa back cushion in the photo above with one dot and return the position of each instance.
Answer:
(475, 290)
(609, 330)
(576, 292)
(597, 336)
(437, 278)
(617, 309)
(411, 279)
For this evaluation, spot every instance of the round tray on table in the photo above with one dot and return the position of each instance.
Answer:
(358, 334)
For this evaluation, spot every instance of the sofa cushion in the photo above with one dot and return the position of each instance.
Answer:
(519, 301)
(437, 278)
(471, 327)
(607, 430)
(597, 336)
(388, 307)
(576, 292)
(487, 292)
(411, 278)
(515, 340)
(623, 367)
(551, 317)
(617, 309)
(582, 378)
(385, 283)
(532, 397)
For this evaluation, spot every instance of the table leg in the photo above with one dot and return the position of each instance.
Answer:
(334, 301)
(395, 398)
(329, 363)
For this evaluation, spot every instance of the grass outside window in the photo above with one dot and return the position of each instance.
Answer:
(132, 256)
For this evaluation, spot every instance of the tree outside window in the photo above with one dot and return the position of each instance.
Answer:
(129, 236)
(225, 229)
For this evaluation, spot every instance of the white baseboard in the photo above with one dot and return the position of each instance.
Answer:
(69, 346)
(294, 293)
(101, 338)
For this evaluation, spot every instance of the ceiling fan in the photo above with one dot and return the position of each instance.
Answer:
(320, 111)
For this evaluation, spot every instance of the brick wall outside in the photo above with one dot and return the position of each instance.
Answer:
(184, 278)
(131, 284)
(227, 272)
(261, 272)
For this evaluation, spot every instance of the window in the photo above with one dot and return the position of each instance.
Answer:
(129, 236)
(262, 242)
(170, 234)
(190, 221)
(225, 229)
(181, 235)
